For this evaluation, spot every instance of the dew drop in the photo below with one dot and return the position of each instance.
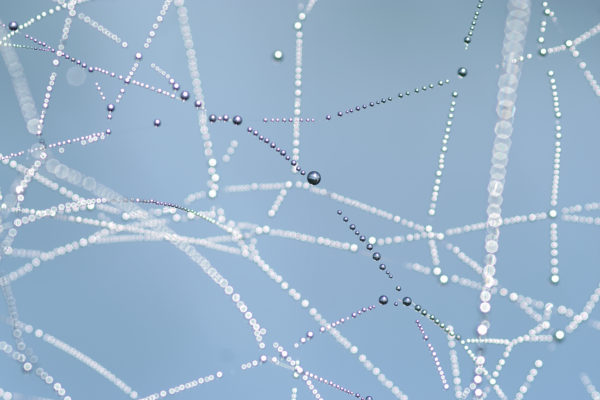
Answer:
(278, 55)
(313, 177)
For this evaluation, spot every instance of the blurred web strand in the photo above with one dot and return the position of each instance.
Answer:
(41, 373)
(590, 33)
(464, 258)
(29, 113)
(593, 83)
(230, 151)
(310, 5)
(277, 203)
(31, 21)
(433, 251)
(22, 396)
(56, 62)
(508, 82)
(589, 387)
(519, 12)
(79, 356)
(188, 42)
(304, 237)
(144, 235)
(183, 386)
(517, 219)
(313, 390)
(91, 138)
(86, 19)
(455, 366)
(20, 85)
(528, 380)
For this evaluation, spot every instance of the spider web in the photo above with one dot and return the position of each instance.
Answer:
(190, 260)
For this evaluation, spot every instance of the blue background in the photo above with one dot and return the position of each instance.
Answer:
(150, 315)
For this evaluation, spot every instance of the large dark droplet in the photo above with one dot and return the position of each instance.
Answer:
(313, 177)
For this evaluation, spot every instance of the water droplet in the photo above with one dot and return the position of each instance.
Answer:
(278, 55)
(559, 335)
(313, 177)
